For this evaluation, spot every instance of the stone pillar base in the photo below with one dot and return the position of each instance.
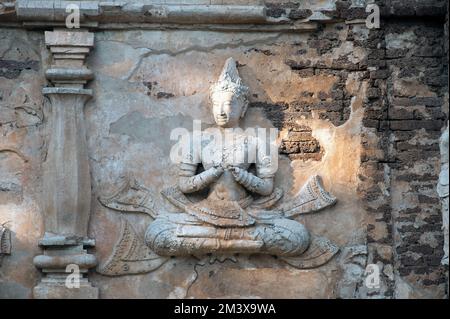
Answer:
(58, 290)
(65, 263)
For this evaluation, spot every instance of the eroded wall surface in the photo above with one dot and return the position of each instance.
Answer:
(361, 108)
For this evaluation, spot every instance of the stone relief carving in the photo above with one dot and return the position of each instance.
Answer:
(131, 255)
(353, 260)
(130, 197)
(242, 213)
(442, 189)
(5, 242)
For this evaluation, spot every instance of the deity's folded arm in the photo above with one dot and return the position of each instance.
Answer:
(189, 182)
(260, 185)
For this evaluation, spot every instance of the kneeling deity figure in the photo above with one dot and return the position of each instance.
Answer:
(225, 196)
(235, 216)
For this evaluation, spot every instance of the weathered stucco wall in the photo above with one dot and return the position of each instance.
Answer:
(22, 126)
(144, 92)
(361, 108)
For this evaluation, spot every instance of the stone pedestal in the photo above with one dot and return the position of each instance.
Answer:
(65, 264)
(67, 188)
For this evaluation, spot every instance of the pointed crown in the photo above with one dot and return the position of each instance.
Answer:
(230, 81)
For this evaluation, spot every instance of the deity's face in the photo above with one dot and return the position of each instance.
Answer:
(227, 109)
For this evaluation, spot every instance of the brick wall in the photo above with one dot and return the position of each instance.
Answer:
(403, 121)
(405, 109)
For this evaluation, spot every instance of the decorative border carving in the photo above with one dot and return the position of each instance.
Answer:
(130, 255)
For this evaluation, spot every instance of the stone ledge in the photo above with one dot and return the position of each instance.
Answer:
(126, 11)
(151, 14)
(66, 90)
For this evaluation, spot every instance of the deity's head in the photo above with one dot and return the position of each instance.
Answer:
(229, 96)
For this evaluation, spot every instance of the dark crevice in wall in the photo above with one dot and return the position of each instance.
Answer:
(11, 69)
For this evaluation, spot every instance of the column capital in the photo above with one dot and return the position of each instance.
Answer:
(69, 49)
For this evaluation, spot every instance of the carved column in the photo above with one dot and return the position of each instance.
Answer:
(67, 186)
